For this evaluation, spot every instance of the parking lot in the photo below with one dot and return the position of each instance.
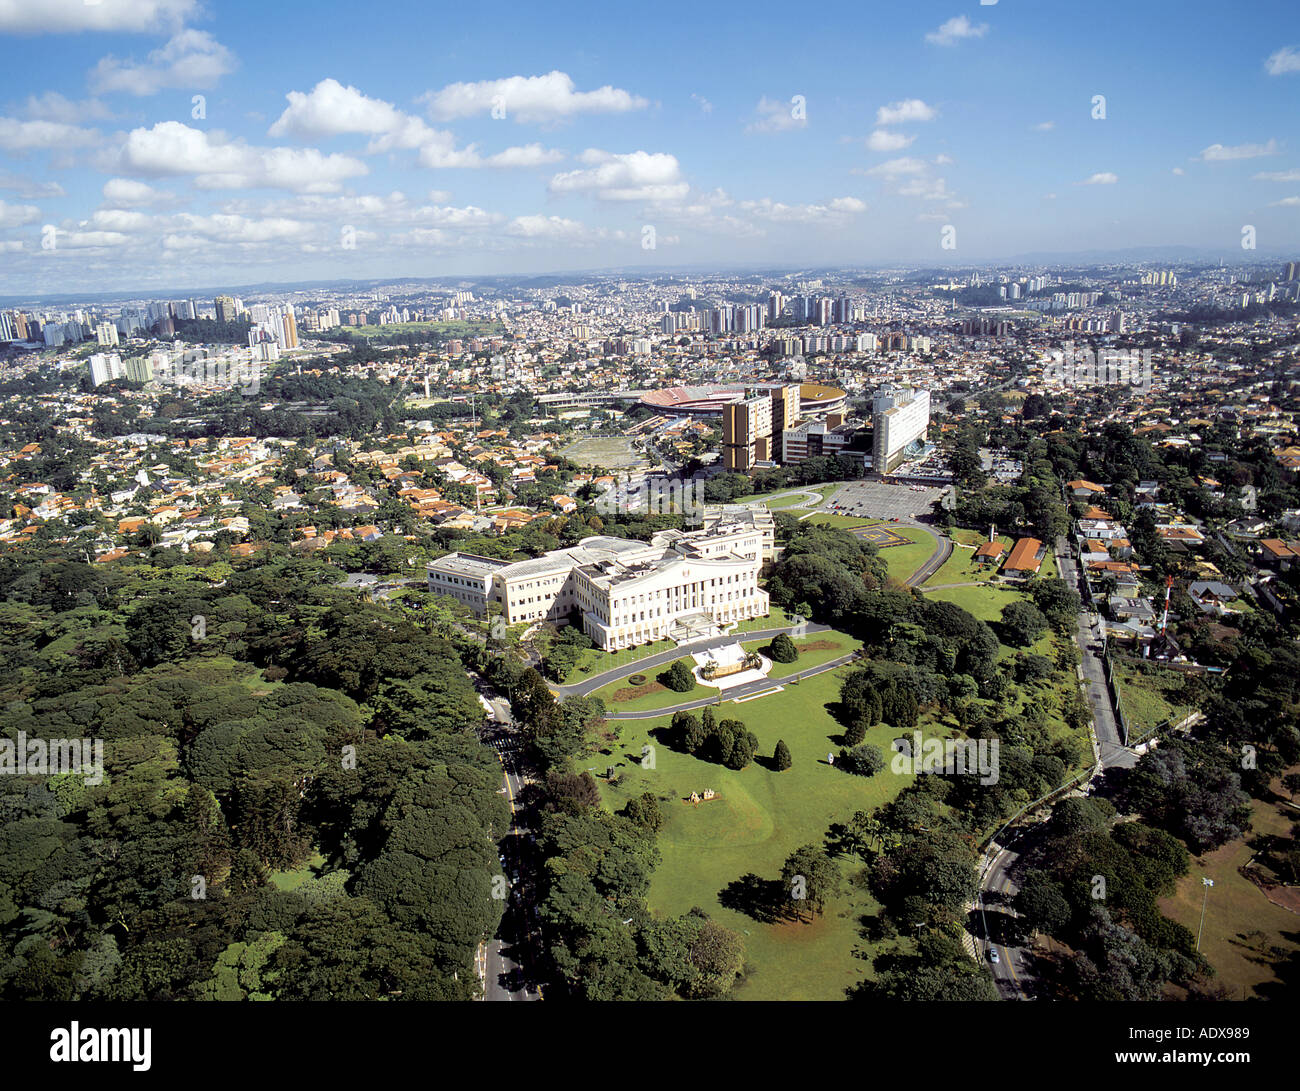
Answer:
(877, 500)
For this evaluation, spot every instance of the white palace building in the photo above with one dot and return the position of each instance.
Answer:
(680, 585)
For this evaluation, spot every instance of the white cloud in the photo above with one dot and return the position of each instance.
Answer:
(119, 219)
(29, 187)
(1045, 126)
(1219, 153)
(706, 107)
(128, 193)
(17, 215)
(53, 106)
(12, 246)
(928, 189)
(767, 209)
(1101, 178)
(775, 116)
(439, 196)
(1283, 62)
(529, 155)
(955, 29)
(1179, 171)
(1286, 202)
(70, 16)
(89, 240)
(190, 59)
(545, 227)
(899, 113)
(223, 228)
(551, 97)
(882, 140)
(170, 148)
(893, 168)
(21, 136)
(330, 109)
(460, 219)
(635, 176)
(1292, 175)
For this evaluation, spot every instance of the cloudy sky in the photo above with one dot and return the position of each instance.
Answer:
(160, 144)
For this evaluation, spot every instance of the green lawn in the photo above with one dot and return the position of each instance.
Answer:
(666, 698)
(1147, 697)
(1245, 934)
(961, 567)
(759, 818)
(595, 661)
(292, 880)
(986, 601)
(903, 560)
(808, 658)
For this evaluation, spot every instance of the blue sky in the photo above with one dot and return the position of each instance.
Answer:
(337, 140)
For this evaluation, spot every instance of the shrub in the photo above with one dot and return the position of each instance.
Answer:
(679, 677)
(865, 761)
(782, 649)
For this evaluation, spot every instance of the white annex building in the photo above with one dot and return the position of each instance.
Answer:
(625, 592)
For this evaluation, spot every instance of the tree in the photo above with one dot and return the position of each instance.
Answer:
(1023, 623)
(781, 760)
(1042, 904)
(679, 677)
(810, 878)
(865, 760)
(855, 732)
(782, 649)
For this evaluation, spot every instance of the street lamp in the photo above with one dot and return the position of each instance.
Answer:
(1206, 883)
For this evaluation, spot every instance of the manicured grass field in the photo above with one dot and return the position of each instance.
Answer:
(961, 566)
(814, 656)
(1245, 934)
(809, 657)
(758, 819)
(903, 560)
(597, 661)
(985, 602)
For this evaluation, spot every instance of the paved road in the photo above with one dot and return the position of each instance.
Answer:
(659, 659)
(749, 689)
(503, 976)
(1112, 751)
(996, 883)
(997, 919)
(942, 551)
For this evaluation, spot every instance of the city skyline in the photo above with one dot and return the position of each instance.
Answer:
(147, 159)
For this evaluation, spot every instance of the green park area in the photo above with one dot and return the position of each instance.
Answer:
(1246, 936)
(724, 854)
(641, 693)
(904, 559)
